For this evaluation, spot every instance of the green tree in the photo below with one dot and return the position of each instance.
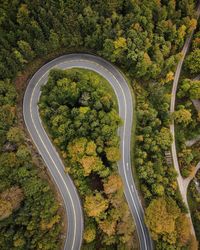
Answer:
(164, 138)
(23, 153)
(162, 222)
(95, 205)
(182, 116)
(192, 62)
(7, 93)
(26, 49)
(89, 233)
(15, 135)
(112, 154)
(10, 201)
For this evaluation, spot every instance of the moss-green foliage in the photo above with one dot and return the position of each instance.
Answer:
(188, 156)
(153, 139)
(190, 89)
(81, 116)
(24, 227)
(143, 36)
(193, 62)
(189, 127)
(168, 223)
(157, 177)
(194, 202)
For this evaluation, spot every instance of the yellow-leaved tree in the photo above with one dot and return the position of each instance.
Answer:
(95, 205)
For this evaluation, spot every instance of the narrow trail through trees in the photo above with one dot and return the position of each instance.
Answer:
(181, 183)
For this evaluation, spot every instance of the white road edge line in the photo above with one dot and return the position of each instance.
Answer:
(123, 142)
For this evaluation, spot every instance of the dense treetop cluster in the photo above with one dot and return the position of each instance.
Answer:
(188, 127)
(81, 116)
(142, 36)
(192, 63)
(187, 116)
(194, 196)
(165, 213)
(28, 210)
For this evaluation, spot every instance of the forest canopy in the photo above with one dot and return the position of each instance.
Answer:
(80, 112)
(144, 38)
(28, 210)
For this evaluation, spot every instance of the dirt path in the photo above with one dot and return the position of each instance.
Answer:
(180, 180)
(187, 181)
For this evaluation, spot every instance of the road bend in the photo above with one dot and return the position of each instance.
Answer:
(52, 159)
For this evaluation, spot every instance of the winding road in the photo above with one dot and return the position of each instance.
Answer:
(52, 159)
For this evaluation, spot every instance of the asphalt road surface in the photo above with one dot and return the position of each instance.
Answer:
(53, 162)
